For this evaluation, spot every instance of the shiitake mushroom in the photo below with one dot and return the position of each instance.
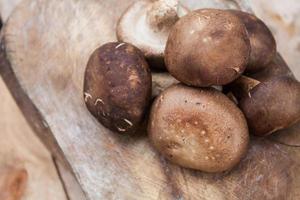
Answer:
(207, 47)
(262, 42)
(146, 24)
(269, 105)
(198, 128)
(195, 128)
(117, 86)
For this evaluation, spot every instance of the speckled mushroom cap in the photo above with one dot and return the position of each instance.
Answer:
(263, 45)
(198, 128)
(207, 47)
(146, 25)
(117, 86)
(272, 105)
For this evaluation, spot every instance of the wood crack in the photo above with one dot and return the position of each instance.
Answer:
(28, 109)
(176, 192)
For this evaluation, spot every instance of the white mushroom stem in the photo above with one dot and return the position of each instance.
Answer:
(162, 14)
(161, 81)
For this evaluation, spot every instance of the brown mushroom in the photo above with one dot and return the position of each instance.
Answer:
(117, 86)
(207, 47)
(146, 24)
(268, 106)
(198, 128)
(263, 45)
(277, 67)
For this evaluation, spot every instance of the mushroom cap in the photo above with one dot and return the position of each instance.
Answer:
(117, 86)
(272, 105)
(277, 67)
(207, 47)
(134, 27)
(263, 44)
(198, 128)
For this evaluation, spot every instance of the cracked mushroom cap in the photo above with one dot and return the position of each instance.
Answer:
(263, 44)
(198, 128)
(117, 86)
(272, 105)
(146, 25)
(207, 47)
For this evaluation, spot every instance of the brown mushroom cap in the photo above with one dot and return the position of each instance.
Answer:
(198, 128)
(146, 25)
(117, 86)
(277, 67)
(207, 47)
(269, 106)
(263, 44)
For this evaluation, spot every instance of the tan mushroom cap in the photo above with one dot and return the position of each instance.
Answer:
(207, 47)
(272, 105)
(146, 25)
(198, 128)
(263, 44)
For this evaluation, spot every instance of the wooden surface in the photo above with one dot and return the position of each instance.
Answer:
(6, 7)
(47, 44)
(13, 122)
(21, 150)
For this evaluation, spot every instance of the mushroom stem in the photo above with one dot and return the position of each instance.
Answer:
(242, 86)
(162, 14)
(160, 82)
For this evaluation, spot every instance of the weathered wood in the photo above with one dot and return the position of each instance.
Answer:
(69, 182)
(21, 152)
(13, 182)
(6, 7)
(46, 45)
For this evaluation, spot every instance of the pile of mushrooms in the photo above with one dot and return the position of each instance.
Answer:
(192, 123)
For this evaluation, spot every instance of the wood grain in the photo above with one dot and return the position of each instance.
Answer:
(13, 182)
(46, 45)
(20, 151)
(6, 7)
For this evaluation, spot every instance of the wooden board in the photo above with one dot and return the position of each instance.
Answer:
(6, 7)
(21, 150)
(45, 48)
(13, 124)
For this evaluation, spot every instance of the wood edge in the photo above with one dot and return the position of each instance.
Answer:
(55, 162)
(30, 112)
